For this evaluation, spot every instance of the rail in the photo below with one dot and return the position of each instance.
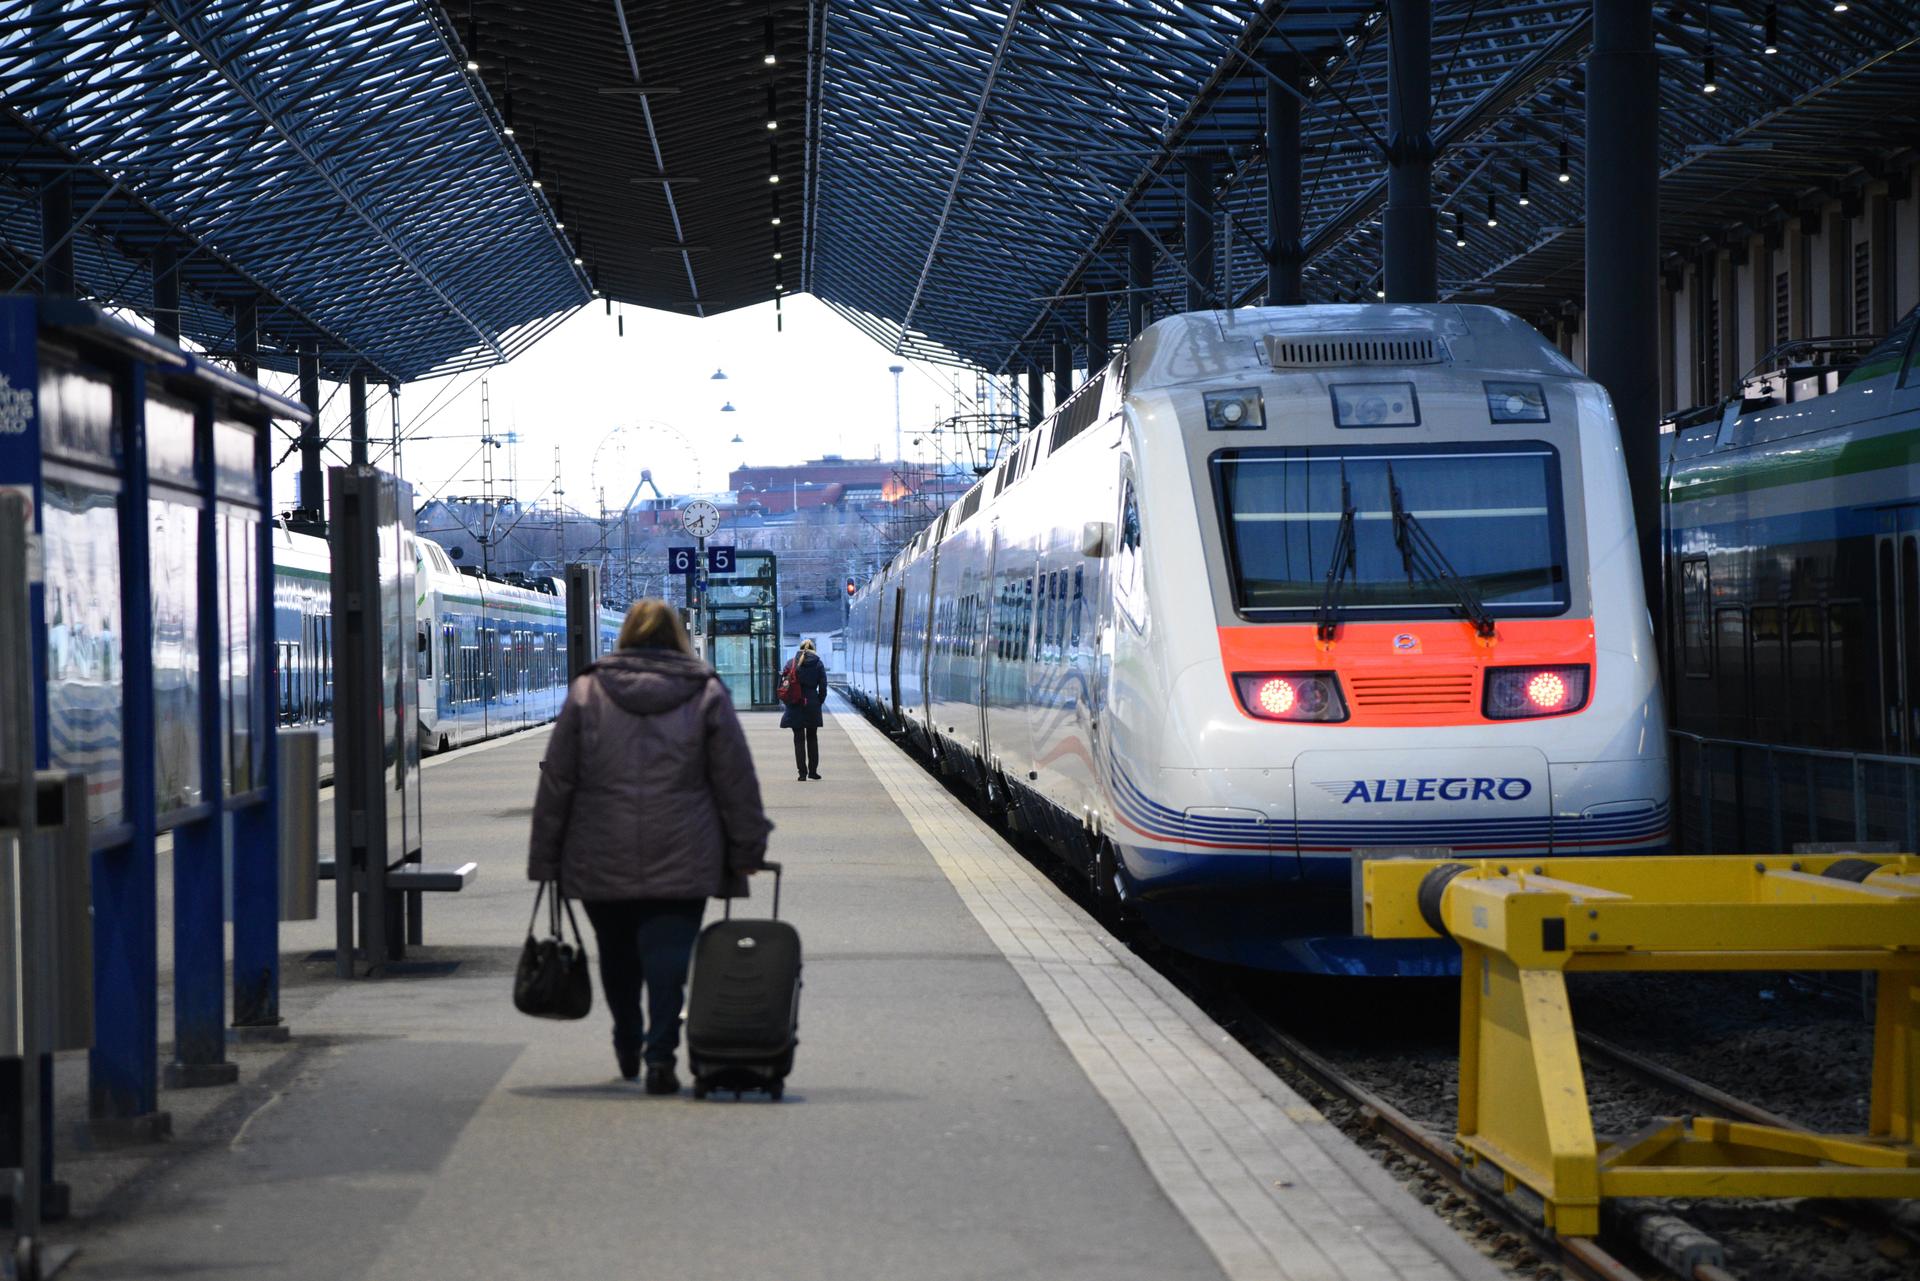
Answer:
(1740, 797)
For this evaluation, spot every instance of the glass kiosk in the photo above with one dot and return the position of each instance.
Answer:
(743, 624)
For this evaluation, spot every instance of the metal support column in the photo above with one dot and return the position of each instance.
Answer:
(56, 238)
(1412, 272)
(1139, 282)
(256, 828)
(123, 1069)
(1036, 394)
(246, 336)
(200, 844)
(313, 483)
(166, 291)
(357, 416)
(1097, 349)
(1623, 257)
(393, 403)
(1199, 227)
(1062, 374)
(1284, 243)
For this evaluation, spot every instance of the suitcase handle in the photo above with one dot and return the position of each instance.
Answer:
(773, 867)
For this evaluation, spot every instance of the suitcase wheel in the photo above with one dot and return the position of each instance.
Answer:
(776, 1090)
(700, 1089)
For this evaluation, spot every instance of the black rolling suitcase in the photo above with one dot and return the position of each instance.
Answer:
(743, 1007)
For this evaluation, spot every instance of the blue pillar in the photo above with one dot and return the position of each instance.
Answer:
(256, 827)
(199, 934)
(123, 1086)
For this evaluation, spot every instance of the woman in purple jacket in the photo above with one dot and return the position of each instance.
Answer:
(648, 806)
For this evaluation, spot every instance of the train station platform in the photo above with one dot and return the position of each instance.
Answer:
(987, 1086)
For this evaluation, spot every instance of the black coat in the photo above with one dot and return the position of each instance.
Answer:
(813, 683)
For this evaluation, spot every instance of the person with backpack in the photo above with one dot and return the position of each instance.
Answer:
(648, 806)
(803, 688)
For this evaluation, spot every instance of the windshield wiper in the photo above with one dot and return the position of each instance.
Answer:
(1421, 555)
(1327, 617)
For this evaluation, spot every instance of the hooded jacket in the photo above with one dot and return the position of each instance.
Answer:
(813, 683)
(648, 789)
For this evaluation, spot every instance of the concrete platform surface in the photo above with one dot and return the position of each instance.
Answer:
(986, 1087)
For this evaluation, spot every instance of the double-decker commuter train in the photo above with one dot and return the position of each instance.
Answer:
(1279, 590)
(1793, 553)
(492, 654)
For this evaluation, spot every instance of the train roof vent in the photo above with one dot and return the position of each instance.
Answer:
(1321, 350)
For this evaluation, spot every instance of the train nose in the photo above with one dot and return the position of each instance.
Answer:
(1490, 799)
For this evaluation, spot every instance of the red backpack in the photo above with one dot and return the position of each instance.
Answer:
(789, 691)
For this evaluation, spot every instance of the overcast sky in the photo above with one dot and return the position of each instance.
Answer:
(819, 386)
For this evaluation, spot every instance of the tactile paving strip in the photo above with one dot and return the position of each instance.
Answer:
(1270, 1186)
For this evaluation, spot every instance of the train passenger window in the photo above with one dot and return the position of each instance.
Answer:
(1079, 600)
(1696, 641)
(1736, 694)
(1890, 671)
(1130, 521)
(1849, 665)
(1806, 675)
(1025, 638)
(1910, 634)
(1769, 666)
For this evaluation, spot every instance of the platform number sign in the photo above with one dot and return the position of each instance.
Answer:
(682, 560)
(720, 560)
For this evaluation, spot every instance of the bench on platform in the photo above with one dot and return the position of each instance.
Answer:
(446, 878)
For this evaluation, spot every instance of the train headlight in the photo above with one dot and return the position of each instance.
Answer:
(1291, 696)
(1236, 409)
(1515, 692)
(1516, 402)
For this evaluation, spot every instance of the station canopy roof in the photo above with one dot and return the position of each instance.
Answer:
(419, 187)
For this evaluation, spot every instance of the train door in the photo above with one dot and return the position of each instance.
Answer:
(989, 624)
(1897, 576)
(929, 647)
(893, 666)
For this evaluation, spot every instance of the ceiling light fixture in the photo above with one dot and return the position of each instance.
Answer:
(1521, 177)
(1565, 174)
(1771, 30)
(1493, 210)
(1709, 83)
(1459, 231)
(770, 57)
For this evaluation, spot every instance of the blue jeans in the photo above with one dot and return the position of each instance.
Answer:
(650, 942)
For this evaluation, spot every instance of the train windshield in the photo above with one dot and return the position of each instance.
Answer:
(1492, 511)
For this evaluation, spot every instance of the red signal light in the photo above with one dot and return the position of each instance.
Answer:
(1513, 693)
(852, 587)
(1547, 692)
(1277, 696)
(1291, 696)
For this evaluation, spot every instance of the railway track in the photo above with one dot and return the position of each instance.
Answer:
(1579, 1257)
(1639, 1244)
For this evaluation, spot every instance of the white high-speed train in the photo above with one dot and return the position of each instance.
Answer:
(492, 654)
(1278, 590)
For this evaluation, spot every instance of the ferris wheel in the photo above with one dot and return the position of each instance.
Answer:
(629, 455)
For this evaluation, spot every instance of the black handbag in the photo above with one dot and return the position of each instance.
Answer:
(552, 980)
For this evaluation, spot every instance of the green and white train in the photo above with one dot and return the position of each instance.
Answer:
(1793, 556)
